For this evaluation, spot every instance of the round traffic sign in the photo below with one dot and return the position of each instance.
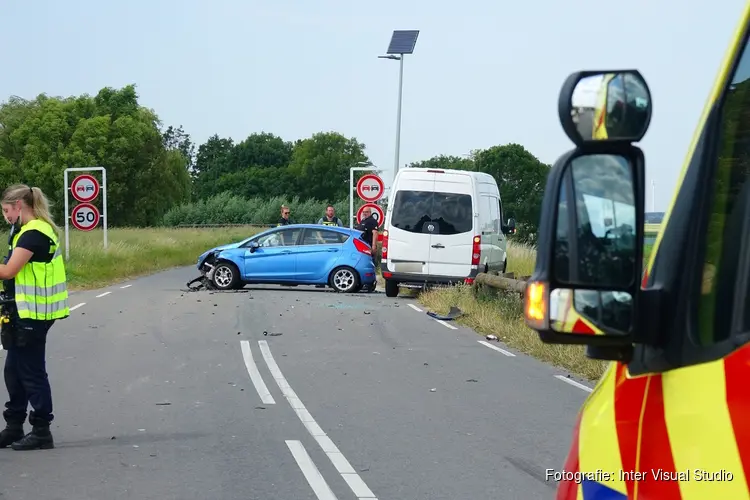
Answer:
(85, 216)
(85, 188)
(377, 212)
(370, 188)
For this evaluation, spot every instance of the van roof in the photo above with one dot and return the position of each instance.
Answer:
(421, 170)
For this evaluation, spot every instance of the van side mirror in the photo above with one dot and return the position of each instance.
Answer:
(510, 228)
(585, 288)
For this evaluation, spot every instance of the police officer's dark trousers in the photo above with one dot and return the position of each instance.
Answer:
(27, 383)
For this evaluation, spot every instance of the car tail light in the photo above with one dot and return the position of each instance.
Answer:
(361, 246)
(476, 251)
(384, 249)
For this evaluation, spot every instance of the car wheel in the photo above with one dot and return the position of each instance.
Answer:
(344, 279)
(226, 276)
(391, 288)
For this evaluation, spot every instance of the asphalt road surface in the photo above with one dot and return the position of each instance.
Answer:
(287, 393)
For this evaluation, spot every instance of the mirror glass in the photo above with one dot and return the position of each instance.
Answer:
(611, 106)
(596, 238)
(590, 312)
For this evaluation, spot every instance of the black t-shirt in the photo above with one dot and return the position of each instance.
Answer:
(36, 242)
(368, 225)
(285, 222)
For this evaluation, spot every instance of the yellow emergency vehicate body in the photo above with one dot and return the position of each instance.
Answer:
(682, 433)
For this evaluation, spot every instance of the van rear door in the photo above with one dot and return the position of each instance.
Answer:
(453, 225)
(408, 237)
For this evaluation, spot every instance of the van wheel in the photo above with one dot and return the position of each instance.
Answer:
(486, 268)
(391, 288)
(505, 265)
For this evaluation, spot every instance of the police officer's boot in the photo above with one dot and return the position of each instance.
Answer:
(40, 437)
(13, 432)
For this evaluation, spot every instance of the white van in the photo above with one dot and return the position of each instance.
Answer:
(442, 227)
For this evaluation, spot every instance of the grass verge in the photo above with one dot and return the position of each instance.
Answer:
(501, 314)
(137, 252)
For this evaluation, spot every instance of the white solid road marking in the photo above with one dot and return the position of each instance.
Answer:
(252, 369)
(126, 286)
(445, 324)
(574, 383)
(415, 308)
(312, 474)
(357, 485)
(77, 306)
(103, 294)
(507, 353)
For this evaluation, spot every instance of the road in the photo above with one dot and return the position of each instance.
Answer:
(165, 394)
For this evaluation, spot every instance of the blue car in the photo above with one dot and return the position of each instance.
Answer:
(299, 254)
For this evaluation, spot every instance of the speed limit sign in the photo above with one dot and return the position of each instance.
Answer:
(85, 217)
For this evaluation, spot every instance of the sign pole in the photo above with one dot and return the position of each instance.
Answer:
(67, 220)
(352, 187)
(87, 184)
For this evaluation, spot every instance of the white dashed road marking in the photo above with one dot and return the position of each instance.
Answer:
(574, 383)
(252, 369)
(355, 482)
(77, 306)
(447, 325)
(103, 294)
(312, 474)
(415, 308)
(507, 353)
(126, 286)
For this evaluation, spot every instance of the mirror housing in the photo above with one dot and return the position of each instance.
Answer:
(253, 246)
(510, 228)
(585, 288)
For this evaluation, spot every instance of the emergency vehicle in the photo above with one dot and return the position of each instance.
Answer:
(670, 417)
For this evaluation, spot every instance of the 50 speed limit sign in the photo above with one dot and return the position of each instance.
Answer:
(85, 217)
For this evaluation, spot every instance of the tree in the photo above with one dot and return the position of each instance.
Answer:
(175, 139)
(521, 178)
(320, 165)
(40, 138)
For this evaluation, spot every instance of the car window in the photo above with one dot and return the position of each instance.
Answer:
(323, 237)
(727, 219)
(283, 238)
(449, 213)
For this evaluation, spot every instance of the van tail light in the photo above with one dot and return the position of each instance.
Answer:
(361, 246)
(384, 249)
(436, 171)
(476, 251)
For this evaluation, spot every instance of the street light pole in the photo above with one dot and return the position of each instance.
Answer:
(402, 42)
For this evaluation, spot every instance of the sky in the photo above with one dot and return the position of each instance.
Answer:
(483, 72)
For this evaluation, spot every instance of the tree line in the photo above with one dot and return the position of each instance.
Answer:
(156, 174)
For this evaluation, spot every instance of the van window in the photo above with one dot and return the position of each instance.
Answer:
(727, 220)
(450, 213)
(494, 215)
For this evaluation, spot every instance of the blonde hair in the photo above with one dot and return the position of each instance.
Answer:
(34, 198)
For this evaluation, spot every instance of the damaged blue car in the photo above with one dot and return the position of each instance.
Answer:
(299, 254)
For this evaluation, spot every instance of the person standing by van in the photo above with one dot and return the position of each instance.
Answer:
(330, 219)
(369, 228)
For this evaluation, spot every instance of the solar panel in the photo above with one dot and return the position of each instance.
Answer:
(403, 42)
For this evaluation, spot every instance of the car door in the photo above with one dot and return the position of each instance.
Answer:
(275, 258)
(318, 252)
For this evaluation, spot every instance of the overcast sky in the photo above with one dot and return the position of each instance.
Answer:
(483, 72)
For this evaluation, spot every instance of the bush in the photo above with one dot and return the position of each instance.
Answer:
(226, 208)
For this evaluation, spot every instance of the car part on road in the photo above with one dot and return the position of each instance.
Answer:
(454, 313)
(344, 279)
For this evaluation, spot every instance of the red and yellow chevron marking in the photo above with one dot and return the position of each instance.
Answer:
(681, 435)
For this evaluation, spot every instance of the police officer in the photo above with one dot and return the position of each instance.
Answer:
(284, 219)
(34, 275)
(330, 219)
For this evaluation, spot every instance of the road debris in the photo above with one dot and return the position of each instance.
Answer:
(491, 337)
(454, 313)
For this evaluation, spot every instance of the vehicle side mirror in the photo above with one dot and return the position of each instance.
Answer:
(510, 228)
(253, 246)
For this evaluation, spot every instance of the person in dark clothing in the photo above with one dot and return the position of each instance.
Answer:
(284, 220)
(330, 219)
(369, 228)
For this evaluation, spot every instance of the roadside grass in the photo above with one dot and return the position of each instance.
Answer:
(133, 252)
(501, 314)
